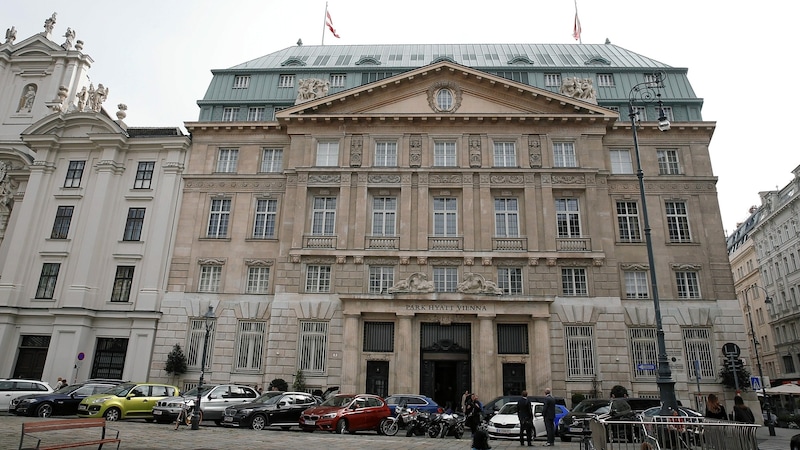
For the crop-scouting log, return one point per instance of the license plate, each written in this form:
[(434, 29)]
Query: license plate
[(228, 418), (157, 412), (505, 431), (575, 430), (311, 422), (82, 407)]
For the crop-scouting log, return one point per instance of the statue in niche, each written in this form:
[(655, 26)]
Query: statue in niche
[(70, 35), (534, 152), (356, 147), (27, 98), (310, 89), (49, 23), (11, 35), (416, 282), (475, 152), (476, 284)]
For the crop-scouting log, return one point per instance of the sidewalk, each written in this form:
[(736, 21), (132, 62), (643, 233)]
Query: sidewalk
[(780, 441)]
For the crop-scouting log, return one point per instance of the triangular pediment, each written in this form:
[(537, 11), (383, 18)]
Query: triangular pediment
[(471, 93), (36, 45)]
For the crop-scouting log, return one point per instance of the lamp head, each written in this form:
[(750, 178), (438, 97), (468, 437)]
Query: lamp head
[(768, 300), (663, 124)]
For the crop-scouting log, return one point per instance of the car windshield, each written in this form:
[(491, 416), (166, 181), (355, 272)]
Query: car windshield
[(266, 396), (68, 389), (508, 408), (339, 400), (593, 407), (193, 391), (121, 390)]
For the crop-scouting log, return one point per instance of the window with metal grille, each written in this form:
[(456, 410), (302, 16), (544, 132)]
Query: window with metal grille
[(74, 174), (509, 279), (688, 284), (257, 280), (265, 219), (123, 280), (255, 113), (381, 278), (643, 350), (605, 79), (506, 217), (568, 217), (621, 161), (327, 153), (678, 221), (573, 281), (134, 224), (636, 284), (386, 154), (378, 336), (144, 175), (227, 160), (505, 154), (241, 81), (384, 216), (318, 279), (445, 216), (286, 81), (580, 355), (445, 279), (47, 280), (218, 218), (313, 346), (109, 358), (323, 217), (210, 276), (512, 339), (250, 345), (668, 162), (628, 222), (564, 154), (697, 345), (196, 342), (338, 80), (62, 222), (444, 154), (552, 80)]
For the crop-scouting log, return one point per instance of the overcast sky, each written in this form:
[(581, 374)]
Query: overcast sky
[(157, 56)]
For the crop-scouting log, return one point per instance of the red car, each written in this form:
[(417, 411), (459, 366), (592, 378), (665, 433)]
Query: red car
[(346, 413)]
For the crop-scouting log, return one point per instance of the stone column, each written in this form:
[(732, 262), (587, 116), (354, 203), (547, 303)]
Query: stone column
[(542, 365), (407, 360), (351, 355), (486, 358)]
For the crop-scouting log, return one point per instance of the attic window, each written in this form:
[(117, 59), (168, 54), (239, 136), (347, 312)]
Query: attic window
[(520, 59), (371, 60), (597, 60), (241, 81), (567, 59), (293, 62)]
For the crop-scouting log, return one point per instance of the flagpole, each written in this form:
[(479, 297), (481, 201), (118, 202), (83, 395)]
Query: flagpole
[(324, 22), (577, 22)]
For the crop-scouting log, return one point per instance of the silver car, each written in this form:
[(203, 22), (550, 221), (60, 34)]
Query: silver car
[(213, 401)]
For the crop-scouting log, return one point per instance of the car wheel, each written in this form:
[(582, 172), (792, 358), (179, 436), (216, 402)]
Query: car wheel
[(112, 414), (44, 410), (259, 422), (341, 426)]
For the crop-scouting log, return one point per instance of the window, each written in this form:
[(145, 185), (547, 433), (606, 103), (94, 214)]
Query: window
[(74, 174), (445, 216), (241, 81), (580, 351), (512, 339), (134, 224), (229, 114), (621, 162), (445, 279), (250, 345), (197, 337), (568, 218), (788, 363), (643, 350), (313, 346), (605, 79), (381, 278), (338, 80), (272, 160), (687, 283), (255, 113), (286, 81), (552, 80), (144, 175), (227, 160), (318, 279), (652, 79), (123, 280), (573, 281), (62, 222), (640, 112), (266, 216), (505, 154), (509, 279), (257, 280), (328, 153), (668, 162), (276, 110), (386, 154), (218, 218), (678, 222), (667, 112), (384, 216), (47, 280), (444, 154), (324, 216), (564, 154), (210, 276), (109, 358), (506, 217), (444, 100), (636, 284), (628, 222), (378, 337), (697, 344)]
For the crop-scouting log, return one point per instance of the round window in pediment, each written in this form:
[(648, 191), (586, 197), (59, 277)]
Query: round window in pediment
[(444, 97)]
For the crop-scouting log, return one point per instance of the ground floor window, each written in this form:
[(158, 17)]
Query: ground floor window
[(109, 358)]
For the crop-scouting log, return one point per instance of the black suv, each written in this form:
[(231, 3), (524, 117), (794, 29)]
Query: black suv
[(572, 425), (61, 402), (282, 410)]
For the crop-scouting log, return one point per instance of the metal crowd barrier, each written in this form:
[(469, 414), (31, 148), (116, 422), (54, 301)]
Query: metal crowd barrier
[(674, 433)]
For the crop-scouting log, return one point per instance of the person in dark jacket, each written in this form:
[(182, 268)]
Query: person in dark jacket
[(549, 414), (480, 440), (714, 409), (525, 415), (741, 412)]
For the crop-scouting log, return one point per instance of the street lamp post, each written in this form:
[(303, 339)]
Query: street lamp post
[(648, 92), (209, 316), (767, 405)]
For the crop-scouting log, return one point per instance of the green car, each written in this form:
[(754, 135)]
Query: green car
[(126, 401)]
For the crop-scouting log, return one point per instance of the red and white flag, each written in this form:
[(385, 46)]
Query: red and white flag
[(576, 29), (329, 23)]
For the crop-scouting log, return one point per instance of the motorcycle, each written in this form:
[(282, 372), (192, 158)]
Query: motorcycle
[(403, 415), (447, 424), (418, 424)]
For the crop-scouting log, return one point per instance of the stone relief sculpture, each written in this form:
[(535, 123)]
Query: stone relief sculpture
[(49, 23), (310, 89), (27, 98), (475, 152), (83, 98), (356, 147), (70, 35), (415, 152), (476, 284), (11, 35), (416, 282), (534, 152), (580, 88)]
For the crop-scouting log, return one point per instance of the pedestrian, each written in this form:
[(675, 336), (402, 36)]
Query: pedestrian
[(480, 440), (525, 415), (619, 391), (464, 399), (741, 412), (59, 383), (549, 413), (714, 409), (475, 413)]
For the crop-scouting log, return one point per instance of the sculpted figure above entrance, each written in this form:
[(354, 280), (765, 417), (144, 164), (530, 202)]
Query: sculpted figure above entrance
[(416, 282)]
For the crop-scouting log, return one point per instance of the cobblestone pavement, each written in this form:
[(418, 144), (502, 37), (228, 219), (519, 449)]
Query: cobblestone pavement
[(137, 434)]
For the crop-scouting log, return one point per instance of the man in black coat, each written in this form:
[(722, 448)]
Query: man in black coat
[(525, 414), (549, 414)]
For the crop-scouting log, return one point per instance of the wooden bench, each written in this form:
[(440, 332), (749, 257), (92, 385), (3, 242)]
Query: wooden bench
[(29, 428)]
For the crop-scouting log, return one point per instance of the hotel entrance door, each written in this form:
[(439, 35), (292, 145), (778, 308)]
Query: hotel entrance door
[(446, 362)]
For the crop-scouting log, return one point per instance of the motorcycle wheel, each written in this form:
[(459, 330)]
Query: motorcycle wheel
[(459, 431), (410, 430), (433, 430), (389, 427)]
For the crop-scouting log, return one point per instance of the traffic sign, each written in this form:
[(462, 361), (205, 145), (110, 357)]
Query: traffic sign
[(646, 367), (731, 350), (755, 383)]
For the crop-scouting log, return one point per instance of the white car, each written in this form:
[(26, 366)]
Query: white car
[(505, 424), (13, 388)]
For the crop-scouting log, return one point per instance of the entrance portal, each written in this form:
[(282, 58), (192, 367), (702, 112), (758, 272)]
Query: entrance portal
[(446, 365)]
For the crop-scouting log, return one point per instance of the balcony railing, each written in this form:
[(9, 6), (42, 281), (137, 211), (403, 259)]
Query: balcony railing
[(510, 244), (382, 242), (319, 241), (445, 243), (574, 244)]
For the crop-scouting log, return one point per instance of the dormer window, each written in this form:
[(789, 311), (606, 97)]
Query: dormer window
[(241, 81)]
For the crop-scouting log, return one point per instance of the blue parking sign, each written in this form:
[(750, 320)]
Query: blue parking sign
[(755, 383)]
